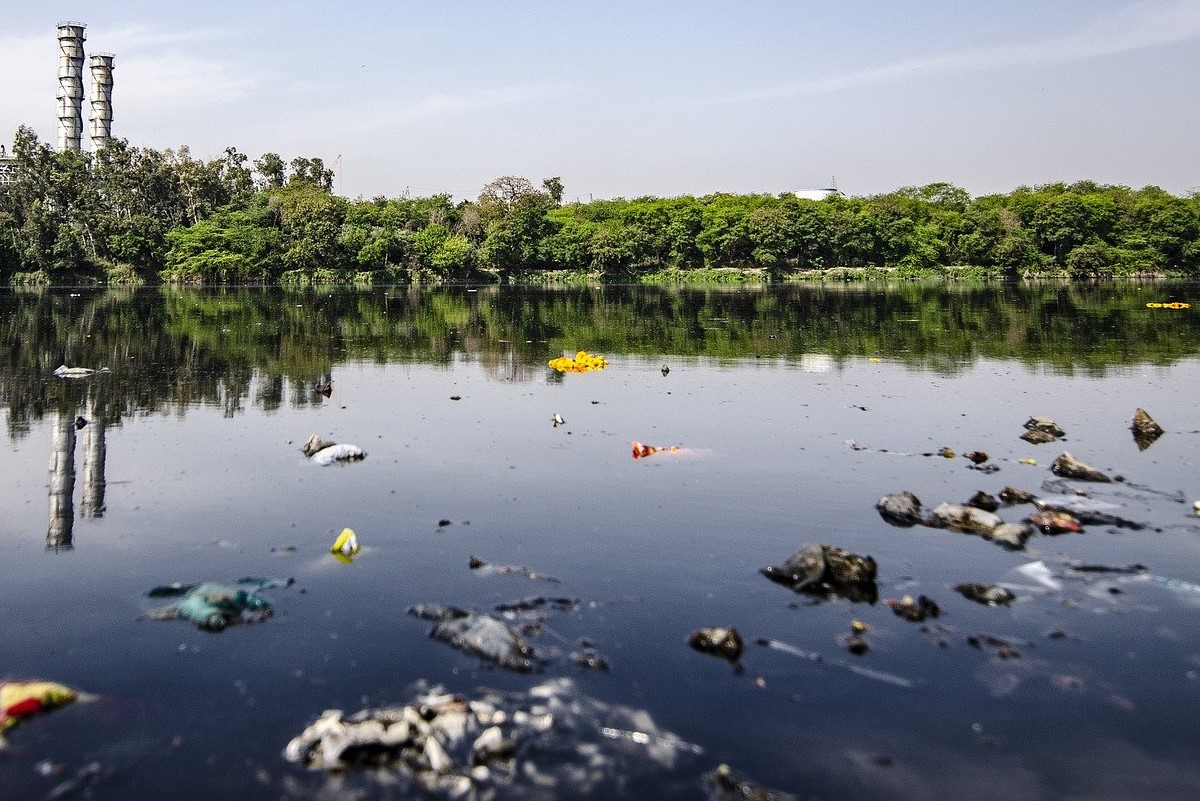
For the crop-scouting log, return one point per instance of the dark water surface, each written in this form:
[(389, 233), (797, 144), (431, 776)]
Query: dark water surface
[(190, 470)]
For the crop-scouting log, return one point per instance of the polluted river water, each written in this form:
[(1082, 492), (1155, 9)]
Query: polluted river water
[(526, 610)]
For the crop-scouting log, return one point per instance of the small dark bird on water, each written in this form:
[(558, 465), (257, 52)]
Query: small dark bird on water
[(80, 422), (324, 388)]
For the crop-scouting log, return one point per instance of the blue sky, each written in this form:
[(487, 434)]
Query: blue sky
[(623, 99)]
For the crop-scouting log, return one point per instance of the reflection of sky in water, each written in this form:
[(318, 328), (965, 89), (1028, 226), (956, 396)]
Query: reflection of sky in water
[(654, 548)]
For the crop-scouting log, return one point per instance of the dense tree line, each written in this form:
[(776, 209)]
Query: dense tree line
[(127, 212)]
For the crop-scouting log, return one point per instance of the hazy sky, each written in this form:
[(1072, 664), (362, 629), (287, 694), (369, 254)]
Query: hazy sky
[(663, 98)]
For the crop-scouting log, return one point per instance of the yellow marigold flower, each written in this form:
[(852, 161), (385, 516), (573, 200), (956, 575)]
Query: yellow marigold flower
[(582, 363)]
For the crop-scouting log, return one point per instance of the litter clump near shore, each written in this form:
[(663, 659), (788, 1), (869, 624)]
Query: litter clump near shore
[(551, 741)]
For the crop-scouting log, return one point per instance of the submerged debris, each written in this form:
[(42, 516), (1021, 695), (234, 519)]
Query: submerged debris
[(325, 452), (1067, 466), (821, 659), (480, 635), (538, 602), (1145, 431), (987, 594), (214, 607), (723, 642), (1001, 647), (552, 741), (1043, 426), (589, 659), (914, 609), (724, 784), (827, 571), (485, 568)]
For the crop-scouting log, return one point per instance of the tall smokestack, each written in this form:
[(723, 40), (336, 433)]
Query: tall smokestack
[(101, 65), (70, 84)]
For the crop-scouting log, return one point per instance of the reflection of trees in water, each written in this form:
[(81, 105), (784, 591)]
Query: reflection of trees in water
[(170, 350)]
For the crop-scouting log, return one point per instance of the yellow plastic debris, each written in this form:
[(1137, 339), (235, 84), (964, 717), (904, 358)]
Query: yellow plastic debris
[(345, 547), (1028, 461), (24, 699), (583, 362)]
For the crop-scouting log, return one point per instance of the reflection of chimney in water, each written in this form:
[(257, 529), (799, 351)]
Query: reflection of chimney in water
[(92, 502), (62, 482)]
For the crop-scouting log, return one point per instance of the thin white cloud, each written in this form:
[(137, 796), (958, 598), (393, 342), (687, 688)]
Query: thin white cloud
[(169, 69), (176, 82), (1135, 27), (374, 117), (444, 104), (146, 37)]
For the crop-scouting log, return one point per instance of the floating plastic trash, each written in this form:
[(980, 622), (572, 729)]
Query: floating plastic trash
[(477, 564), (583, 362), (1176, 305), (62, 371), (480, 635), (345, 547), (213, 607), (24, 699), (641, 451), (324, 452)]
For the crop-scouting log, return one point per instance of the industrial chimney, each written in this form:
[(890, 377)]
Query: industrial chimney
[(101, 65), (70, 85)]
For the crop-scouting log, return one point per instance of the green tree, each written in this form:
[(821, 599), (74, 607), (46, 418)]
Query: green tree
[(271, 171)]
